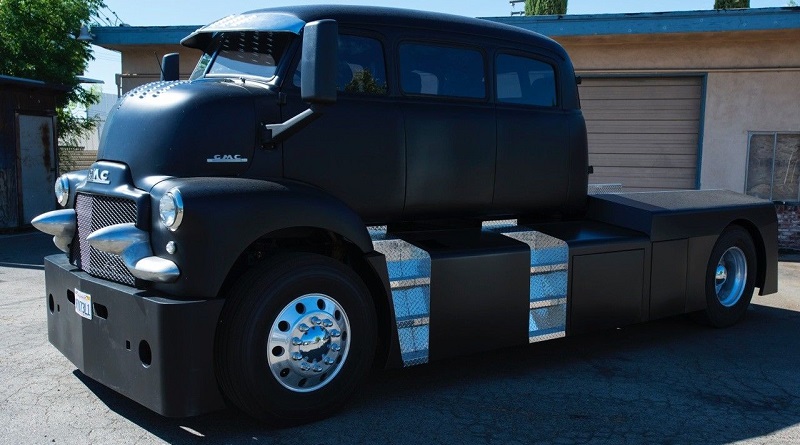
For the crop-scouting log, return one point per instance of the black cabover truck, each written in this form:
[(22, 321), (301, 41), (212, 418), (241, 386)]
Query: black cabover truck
[(340, 186)]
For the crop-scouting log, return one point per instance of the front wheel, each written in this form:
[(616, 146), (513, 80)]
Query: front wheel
[(295, 338), (730, 277)]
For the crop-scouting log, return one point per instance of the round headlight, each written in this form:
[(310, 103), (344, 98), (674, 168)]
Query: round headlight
[(62, 190), (170, 209)]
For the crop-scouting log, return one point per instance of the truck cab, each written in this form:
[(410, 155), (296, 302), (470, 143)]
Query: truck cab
[(340, 186)]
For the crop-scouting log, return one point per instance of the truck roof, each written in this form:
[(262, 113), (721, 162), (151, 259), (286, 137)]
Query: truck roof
[(375, 18)]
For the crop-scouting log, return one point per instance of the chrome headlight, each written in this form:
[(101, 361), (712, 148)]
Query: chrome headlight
[(170, 209), (62, 190)]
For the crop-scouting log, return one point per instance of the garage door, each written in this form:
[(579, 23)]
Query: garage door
[(643, 131)]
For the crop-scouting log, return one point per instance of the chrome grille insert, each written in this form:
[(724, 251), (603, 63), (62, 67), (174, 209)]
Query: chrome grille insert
[(95, 212)]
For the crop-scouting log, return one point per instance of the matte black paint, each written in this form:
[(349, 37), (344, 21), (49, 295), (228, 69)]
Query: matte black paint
[(609, 274), (179, 381), (480, 291), (120, 185), (357, 133), (675, 215), (391, 357), (223, 216), (668, 285), (174, 128), (450, 149), (607, 290)]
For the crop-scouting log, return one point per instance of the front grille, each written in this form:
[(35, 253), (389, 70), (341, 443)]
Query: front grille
[(95, 212)]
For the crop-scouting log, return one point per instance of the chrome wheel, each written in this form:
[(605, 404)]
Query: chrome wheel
[(308, 342), (730, 276)]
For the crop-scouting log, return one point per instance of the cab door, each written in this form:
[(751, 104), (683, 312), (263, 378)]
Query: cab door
[(450, 130), (533, 146), (355, 149)]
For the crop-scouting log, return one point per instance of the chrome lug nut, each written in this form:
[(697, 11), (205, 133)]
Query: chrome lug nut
[(317, 368), (297, 356), (329, 360), (296, 341), (335, 333), (303, 327), (335, 347), (315, 320), (304, 366), (327, 323)]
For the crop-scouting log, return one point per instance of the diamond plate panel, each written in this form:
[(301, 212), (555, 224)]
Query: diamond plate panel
[(598, 189), (409, 270), (412, 302), (548, 285), (93, 213), (414, 345), (499, 224), (545, 249), (544, 322)]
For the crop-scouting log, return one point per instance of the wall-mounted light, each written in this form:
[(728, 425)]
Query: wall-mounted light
[(85, 35)]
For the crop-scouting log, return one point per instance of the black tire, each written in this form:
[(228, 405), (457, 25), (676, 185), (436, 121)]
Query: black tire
[(249, 336), (727, 298)]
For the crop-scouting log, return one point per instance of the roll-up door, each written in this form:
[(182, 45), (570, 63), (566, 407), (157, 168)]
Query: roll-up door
[(643, 131)]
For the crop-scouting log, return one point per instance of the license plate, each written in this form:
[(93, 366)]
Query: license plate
[(83, 304)]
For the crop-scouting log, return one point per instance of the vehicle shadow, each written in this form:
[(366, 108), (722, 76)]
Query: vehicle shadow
[(669, 381)]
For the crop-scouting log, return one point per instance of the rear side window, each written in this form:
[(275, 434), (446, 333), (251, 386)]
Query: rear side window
[(441, 71), (524, 80)]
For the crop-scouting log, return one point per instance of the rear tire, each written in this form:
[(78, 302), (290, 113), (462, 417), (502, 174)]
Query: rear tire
[(730, 277), (296, 337)]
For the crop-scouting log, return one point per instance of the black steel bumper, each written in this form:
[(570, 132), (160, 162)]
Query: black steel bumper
[(154, 350)]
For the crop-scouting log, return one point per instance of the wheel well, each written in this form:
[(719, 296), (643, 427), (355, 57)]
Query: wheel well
[(332, 245), (761, 251)]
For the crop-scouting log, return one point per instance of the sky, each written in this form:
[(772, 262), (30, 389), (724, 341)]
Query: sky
[(201, 12)]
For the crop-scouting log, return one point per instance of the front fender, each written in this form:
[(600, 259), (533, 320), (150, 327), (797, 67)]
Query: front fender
[(223, 216)]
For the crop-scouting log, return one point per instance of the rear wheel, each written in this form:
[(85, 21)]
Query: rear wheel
[(296, 337), (730, 277)]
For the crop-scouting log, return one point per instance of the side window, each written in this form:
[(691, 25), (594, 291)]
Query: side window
[(522, 80), (441, 71), (361, 66)]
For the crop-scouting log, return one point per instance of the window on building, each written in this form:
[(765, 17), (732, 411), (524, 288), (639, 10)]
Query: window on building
[(441, 71), (773, 166), (523, 80)]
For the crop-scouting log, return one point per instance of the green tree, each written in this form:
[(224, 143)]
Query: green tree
[(731, 4), (38, 41), (364, 82), (545, 7)]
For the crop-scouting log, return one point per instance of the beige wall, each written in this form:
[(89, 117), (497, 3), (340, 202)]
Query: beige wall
[(738, 102), (141, 64), (752, 85)]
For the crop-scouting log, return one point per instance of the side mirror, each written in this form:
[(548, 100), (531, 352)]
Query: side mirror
[(318, 64), (170, 67)]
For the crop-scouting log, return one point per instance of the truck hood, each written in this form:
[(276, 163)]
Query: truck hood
[(205, 127)]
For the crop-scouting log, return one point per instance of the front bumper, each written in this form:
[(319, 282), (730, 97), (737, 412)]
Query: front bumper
[(131, 328)]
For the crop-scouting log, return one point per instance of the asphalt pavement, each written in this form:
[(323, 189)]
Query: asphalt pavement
[(667, 382)]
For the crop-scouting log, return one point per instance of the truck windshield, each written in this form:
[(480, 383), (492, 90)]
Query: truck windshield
[(245, 54)]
